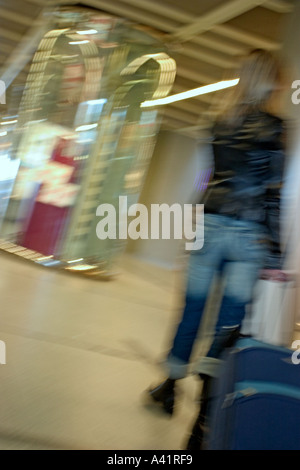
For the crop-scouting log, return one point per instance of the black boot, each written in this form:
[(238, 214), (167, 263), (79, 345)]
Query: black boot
[(199, 430), (164, 394), (225, 338)]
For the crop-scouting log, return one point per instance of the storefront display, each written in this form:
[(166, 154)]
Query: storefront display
[(82, 138)]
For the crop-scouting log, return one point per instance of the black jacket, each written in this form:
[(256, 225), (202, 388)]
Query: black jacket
[(248, 173)]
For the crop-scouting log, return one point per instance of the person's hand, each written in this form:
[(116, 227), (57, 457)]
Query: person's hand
[(274, 275)]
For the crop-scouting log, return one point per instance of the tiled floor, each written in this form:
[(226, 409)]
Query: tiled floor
[(79, 355)]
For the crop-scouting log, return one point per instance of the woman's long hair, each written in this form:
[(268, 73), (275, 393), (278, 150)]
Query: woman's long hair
[(259, 77)]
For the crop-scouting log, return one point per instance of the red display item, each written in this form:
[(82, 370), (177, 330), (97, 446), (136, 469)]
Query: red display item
[(55, 198), (65, 152), (45, 228), (49, 217)]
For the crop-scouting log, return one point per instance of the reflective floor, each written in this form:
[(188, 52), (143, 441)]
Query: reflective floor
[(79, 355)]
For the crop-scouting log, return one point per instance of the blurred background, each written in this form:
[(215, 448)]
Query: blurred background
[(80, 127)]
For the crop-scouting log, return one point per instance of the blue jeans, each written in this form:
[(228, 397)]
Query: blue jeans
[(235, 249)]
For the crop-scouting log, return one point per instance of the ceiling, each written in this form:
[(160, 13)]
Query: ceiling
[(205, 37)]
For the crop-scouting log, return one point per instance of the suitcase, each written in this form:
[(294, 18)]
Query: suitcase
[(255, 401)]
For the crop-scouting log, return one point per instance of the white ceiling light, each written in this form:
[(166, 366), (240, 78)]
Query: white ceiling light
[(88, 31), (84, 41), (191, 93), (86, 127)]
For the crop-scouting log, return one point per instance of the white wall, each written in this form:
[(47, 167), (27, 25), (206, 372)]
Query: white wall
[(172, 178)]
